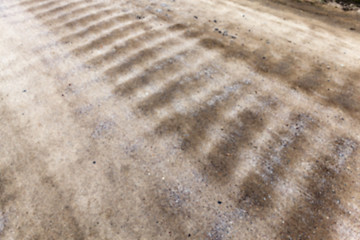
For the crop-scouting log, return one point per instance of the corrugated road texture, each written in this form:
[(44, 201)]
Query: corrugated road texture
[(178, 120)]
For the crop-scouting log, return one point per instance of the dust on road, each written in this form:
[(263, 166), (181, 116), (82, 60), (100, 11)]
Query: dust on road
[(179, 120)]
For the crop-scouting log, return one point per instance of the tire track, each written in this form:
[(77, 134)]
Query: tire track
[(284, 150), (186, 64), (109, 38), (60, 9), (75, 13), (43, 6), (97, 28), (313, 83), (314, 214), (84, 21)]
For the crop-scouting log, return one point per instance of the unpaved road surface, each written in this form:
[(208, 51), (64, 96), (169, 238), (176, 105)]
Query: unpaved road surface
[(183, 119)]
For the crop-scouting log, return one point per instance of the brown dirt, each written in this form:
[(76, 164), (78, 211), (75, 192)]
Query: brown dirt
[(179, 120)]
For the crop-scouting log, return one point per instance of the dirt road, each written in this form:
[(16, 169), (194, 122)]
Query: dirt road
[(179, 119)]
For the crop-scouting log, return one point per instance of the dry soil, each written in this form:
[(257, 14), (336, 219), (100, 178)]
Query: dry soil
[(179, 119)]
